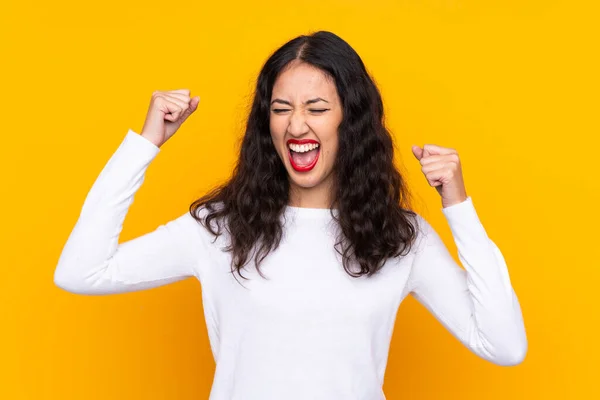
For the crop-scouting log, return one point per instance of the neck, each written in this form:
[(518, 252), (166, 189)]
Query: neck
[(315, 197)]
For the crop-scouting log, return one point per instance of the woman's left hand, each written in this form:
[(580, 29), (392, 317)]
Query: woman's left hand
[(441, 166)]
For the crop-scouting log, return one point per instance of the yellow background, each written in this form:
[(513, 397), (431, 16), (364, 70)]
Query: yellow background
[(512, 85)]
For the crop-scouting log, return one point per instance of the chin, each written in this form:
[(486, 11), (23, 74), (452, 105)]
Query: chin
[(310, 180), (305, 182)]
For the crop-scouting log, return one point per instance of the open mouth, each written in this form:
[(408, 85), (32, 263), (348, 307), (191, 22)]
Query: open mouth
[(304, 154)]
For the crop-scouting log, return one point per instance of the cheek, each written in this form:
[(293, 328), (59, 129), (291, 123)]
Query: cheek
[(277, 133), (333, 151), (329, 157), (329, 139)]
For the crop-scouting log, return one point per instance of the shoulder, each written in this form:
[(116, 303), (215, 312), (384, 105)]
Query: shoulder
[(424, 232), (200, 218)]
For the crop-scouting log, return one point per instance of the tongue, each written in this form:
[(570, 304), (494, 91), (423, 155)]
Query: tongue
[(305, 158)]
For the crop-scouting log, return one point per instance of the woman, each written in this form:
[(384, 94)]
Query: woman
[(315, 219)]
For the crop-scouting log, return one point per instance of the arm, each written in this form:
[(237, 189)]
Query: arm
[(93, 262), (478, 304)]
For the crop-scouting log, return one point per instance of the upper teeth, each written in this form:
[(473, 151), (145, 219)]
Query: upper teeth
[(301, 148)]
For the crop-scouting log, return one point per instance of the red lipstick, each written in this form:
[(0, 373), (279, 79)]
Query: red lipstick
[(303, 141), (303, 168)]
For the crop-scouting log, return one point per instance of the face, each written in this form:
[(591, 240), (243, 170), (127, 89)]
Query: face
[(304, 118)]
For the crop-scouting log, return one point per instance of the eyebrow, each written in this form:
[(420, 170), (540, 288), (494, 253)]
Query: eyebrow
[(311, 101)]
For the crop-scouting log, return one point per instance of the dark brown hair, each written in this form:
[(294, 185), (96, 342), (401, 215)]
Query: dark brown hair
[(370, 194)]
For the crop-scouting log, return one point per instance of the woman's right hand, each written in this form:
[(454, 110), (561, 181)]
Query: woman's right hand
[(167, 111)]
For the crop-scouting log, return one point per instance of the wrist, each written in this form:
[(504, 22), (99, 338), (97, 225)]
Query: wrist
[(152, 140)]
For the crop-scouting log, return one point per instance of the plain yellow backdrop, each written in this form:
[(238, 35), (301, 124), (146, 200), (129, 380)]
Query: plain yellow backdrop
[(512, 85)]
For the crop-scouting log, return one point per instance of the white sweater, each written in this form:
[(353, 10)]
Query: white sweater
[(310, 331)]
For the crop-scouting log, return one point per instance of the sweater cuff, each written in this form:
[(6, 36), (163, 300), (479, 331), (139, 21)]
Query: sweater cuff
[(463, 219), (135, 142)]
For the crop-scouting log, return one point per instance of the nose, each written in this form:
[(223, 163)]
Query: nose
[(297, 124)]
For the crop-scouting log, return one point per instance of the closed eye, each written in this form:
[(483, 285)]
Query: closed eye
[(318, 111)]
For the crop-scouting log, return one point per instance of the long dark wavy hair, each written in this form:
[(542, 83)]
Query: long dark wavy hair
[(370, 195)]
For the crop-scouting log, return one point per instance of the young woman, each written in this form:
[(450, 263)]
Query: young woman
[(306, 253)]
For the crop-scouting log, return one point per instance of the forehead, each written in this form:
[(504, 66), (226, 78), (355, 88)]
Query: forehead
[(301, 80)]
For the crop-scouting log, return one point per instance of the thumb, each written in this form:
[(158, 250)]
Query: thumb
[(417, 151), (194, 103)]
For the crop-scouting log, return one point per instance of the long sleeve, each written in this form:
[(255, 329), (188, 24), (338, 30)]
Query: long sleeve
[(92, 260), (476, 304)]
